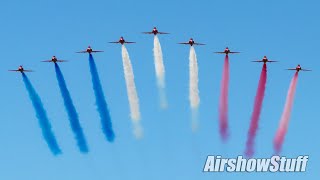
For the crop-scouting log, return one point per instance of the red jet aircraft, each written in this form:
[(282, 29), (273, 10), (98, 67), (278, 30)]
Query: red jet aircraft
[(89, 50), (298, 68), (122, 41), (226, 51), (20, 69), (54, 60), (155, 32), (191, 42), (264, 60)]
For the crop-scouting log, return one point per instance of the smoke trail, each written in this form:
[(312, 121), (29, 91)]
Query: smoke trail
[(160, 71), (193, 87), (101, 103), (132, 93), (223, 106), (284, 122), (42, 117), (256, 111), (71, 110)]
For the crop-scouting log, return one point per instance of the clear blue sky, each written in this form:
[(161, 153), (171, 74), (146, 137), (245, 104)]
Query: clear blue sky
[(35, 30)]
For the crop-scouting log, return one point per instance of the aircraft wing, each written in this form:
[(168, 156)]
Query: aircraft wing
[(198, 44), (96, 51), (184, 43), (220, 52), (257, 61), (233, 52), (128, 42), (81, 52), (22, 71), (163, 33), (147, 32), (306, 70), (272, 61), (292, 69), (115, 42), (52, 61)]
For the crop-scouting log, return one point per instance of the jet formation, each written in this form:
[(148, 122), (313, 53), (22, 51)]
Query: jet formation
[(194, 92), (155, 32)]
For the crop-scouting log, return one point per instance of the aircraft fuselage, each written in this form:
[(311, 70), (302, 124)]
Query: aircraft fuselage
[(155, 32), (89, 50)]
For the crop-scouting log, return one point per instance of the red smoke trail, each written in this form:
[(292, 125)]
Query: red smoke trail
[(223, 106), (256, 111), (284, 122)]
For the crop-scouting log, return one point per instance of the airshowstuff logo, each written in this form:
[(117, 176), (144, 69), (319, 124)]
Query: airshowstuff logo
[(240, 164)]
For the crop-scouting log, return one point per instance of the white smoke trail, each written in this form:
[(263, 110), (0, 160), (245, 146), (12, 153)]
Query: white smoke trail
[(193, 87), (160, 71), (132, 93)]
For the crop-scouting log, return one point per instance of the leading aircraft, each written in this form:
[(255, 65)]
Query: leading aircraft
[(21, 69), (89, 50), (226, 51), (298, 68), (264, 60), (155, 32), (54, 60), (122, 41), (191, 42)]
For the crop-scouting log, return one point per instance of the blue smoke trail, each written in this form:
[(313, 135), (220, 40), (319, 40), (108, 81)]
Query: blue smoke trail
[(71, 110), (42, 117), (101, 103)]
